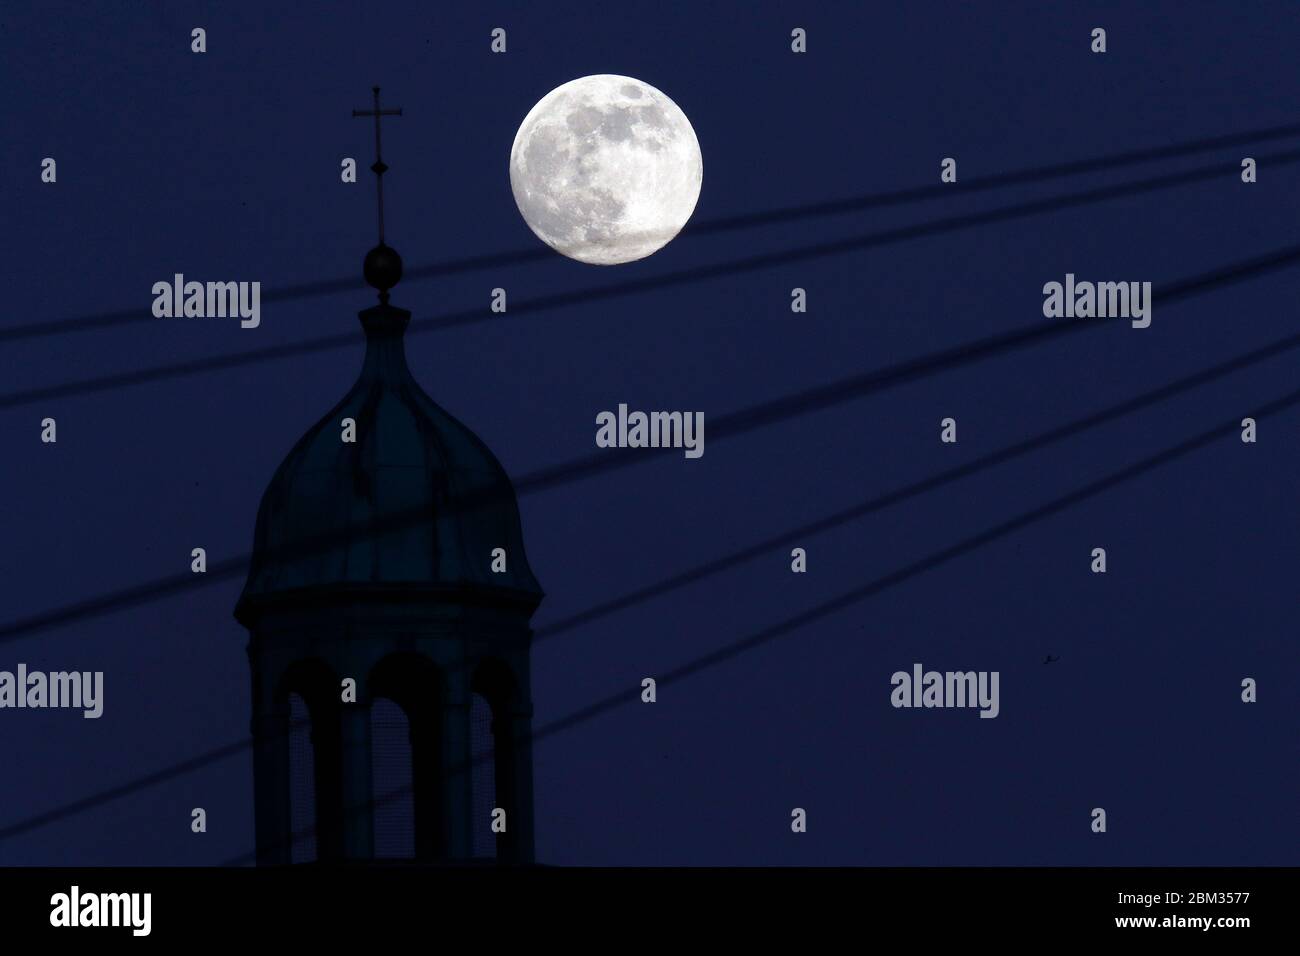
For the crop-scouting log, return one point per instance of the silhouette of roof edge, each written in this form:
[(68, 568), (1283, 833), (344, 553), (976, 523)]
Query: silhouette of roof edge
[(253, 606)]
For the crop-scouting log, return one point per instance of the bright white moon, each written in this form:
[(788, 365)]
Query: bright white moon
[(606, 169)]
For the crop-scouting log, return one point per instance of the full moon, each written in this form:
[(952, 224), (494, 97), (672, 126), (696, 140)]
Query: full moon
[(606, 169)]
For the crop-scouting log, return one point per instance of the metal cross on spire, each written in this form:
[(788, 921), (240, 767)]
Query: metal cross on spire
[(379, 168)]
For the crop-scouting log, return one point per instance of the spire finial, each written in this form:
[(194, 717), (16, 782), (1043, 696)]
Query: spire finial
[(383, 266)]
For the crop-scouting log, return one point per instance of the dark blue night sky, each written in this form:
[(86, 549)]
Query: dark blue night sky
[(225, 166)]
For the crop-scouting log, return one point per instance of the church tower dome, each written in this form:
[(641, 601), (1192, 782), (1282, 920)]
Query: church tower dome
[(388, 604), (388, 489)]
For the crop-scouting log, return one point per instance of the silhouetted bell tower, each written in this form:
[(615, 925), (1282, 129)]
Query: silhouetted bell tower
[(389, 553)]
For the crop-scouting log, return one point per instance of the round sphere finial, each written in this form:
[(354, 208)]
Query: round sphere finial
[(383, 267)]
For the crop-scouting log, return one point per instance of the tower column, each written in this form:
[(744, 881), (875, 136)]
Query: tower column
[(457, 800), (271, 794), (358, 837), (426, 781), (519, 785)]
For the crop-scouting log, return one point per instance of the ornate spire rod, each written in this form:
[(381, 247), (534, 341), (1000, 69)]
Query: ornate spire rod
[(383, 266), (378, 167)]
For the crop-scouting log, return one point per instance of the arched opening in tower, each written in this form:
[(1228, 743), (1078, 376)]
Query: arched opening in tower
[(392, 780), (407, 776), (302, 783)]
